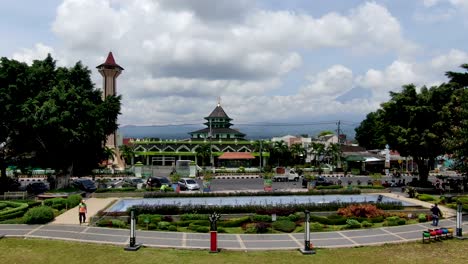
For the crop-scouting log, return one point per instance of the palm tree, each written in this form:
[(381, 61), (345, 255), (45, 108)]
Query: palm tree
[(280, 150), (334, 151), (297, 150), (317, 149), (203, 151), (126, 153), (109, 153)]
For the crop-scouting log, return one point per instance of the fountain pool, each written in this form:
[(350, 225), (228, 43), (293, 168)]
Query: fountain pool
[(123, 204)]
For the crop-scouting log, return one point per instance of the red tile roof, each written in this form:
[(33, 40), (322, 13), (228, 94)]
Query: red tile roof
[(110, 62), (236, 155)]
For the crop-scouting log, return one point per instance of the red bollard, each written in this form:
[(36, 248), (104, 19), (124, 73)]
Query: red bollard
[(177, 190), (214, 242)]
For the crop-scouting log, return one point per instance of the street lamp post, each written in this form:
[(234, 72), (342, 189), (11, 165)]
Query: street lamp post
[(307, 250)]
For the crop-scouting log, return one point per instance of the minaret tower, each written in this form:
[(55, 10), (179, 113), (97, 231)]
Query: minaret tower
[(110, 71)]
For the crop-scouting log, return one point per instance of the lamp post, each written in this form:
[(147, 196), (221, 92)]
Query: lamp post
[(133, 246), (307, 245), (459, 231)]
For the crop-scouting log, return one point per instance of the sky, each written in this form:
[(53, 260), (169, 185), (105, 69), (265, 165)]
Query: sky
[(267, 60)]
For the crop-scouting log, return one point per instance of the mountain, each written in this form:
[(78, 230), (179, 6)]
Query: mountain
[(252, 131)]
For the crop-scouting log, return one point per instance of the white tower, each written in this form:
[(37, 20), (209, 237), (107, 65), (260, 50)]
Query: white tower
[(110, 71)]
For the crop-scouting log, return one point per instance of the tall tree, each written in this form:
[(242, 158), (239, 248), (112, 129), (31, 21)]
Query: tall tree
[(126, 153), (297, 152), (369, 133), (204, 152), (59, 118)]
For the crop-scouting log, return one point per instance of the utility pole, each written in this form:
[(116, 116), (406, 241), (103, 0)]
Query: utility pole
[(261, 155), (338, 162), (338, 131)]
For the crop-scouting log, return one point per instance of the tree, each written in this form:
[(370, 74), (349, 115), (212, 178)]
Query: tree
[(281, 152), (333, 151), (56, 119), (297, 152), (204, 152), (325, 132), (317, 150), (369, 133), (126, 153)]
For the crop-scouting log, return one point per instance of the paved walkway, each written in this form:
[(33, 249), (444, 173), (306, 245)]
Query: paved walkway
[(93, 205), (66, 227)]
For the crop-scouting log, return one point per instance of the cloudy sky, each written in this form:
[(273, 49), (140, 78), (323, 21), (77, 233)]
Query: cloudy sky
[(268, 60)]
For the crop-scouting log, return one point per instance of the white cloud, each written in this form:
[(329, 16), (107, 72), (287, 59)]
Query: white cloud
[(332, 83), (39, 52), (179, 55)]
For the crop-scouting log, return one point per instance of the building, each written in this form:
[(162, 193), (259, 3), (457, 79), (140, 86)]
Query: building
[(218, 126), (205, 146)]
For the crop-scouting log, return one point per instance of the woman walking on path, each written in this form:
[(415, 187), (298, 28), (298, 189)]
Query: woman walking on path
[(82, 210)]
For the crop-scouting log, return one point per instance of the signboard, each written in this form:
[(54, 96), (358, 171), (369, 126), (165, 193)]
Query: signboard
[(387, 156)]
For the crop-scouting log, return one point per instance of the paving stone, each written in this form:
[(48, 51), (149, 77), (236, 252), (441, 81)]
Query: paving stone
[(285, 244), (18, 227), (376, 239), (321, 235), (14, 232), (363, 233), (343, 242), (64, 228), (108, 231), (163, 235), (261, 237)]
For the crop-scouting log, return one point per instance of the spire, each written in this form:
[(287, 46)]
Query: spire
[(110, 62), (219, 100)]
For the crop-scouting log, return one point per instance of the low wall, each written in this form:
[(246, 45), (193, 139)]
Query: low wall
[(117, 194)]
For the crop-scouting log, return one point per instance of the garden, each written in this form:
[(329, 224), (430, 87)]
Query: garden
[(35, 212), (246, 219)]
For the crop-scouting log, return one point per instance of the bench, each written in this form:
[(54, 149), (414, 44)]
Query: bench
[(14, 195)]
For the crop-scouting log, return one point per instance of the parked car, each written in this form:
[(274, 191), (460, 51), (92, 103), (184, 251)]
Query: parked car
[(37, 188), (133, 182), (156, 182), (85, 185), (320, 181), (188, 184)]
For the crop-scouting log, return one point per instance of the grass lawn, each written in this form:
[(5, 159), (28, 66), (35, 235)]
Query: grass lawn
[(48, 251)]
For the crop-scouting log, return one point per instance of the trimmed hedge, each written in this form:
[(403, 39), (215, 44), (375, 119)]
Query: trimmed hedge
[(353, 223), (235, 222), (284, 226), (111, 190), (426, 197), (17, 210), (279, 210), (39, 215)]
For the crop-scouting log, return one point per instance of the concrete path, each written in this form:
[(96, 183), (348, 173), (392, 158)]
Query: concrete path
[(93, 205)]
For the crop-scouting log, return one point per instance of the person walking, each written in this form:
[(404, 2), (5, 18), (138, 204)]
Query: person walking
[(82, 210), (435, 215)]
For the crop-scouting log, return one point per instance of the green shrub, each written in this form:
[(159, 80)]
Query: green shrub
[(172, 228), (422, 218), (73, 200), (114, 223), (425, 197), (335, 220), (39, 215), (316, 227), (250, 228), (2, 206), (56, 203), (182, 223), (377, 219), (202, 229), (392, 221), (366, 224), (185, 217), (353, 223), (329, 187), (284, 226), (150, 218), (401, 222), (294, 217), (261, 218), (13, 210), (262, 227), (163, 225), (235, 222)]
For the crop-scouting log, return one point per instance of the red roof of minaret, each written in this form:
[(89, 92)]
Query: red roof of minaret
[(110, 62)]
